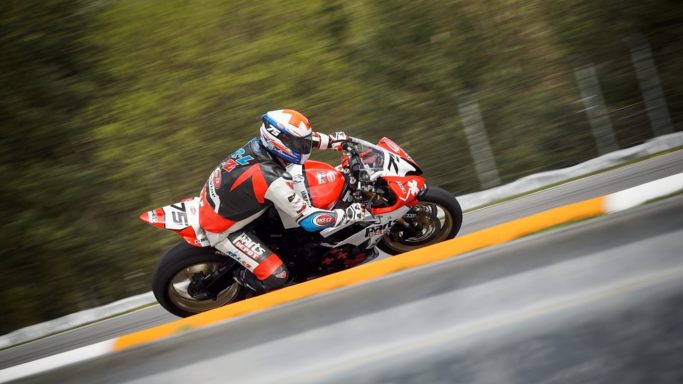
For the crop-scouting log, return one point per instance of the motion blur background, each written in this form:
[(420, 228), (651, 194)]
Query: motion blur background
[(110, 108)]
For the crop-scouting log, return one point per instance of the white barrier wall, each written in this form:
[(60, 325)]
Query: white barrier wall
[(543, 179)]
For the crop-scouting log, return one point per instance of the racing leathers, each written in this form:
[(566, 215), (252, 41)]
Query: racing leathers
[(241, 189)]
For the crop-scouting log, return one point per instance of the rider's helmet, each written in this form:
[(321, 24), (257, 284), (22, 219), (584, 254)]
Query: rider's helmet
[(287, 134)]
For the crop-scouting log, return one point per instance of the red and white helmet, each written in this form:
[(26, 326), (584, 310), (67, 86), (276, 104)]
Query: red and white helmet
[(287, 134)]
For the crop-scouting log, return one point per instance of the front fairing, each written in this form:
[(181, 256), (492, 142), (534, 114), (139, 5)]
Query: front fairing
[(387, 157), (391, 146)]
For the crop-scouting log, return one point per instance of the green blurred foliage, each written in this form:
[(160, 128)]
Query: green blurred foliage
[(111, 108)]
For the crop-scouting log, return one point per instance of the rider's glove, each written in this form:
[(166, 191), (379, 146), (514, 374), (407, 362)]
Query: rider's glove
[(353, 214), (337, 139)]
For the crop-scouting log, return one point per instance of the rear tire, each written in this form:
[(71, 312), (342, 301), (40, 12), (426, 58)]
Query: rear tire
[(438, 218), (178, 270)]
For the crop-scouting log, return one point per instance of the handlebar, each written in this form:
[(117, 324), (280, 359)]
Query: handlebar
[(348, 147)]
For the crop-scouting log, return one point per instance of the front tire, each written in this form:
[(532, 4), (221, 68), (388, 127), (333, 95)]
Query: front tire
[(437, 217), (181, 276)]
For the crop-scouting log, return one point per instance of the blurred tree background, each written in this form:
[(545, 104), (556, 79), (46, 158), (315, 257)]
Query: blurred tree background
[(111, 108)]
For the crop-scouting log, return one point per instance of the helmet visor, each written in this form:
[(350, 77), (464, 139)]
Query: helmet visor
[(298, 145)]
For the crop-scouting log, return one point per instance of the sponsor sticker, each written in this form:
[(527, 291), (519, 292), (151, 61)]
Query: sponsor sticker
[(324, 220), (413, 190), (306, 196), (379, 230), (237, 158), (153, 218), (216, 178), (321, 177), (250, 247), (213, 195), (230, 165), (326, 177)]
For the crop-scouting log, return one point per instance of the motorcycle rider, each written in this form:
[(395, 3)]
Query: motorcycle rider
[(245, 184)]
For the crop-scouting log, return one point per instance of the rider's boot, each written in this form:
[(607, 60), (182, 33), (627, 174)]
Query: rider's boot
[(247, 279)]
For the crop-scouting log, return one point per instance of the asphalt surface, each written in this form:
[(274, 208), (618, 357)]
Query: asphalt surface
[(598, 301), (596, 185)]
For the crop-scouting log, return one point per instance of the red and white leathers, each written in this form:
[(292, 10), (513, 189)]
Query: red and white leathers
[(241, 189)]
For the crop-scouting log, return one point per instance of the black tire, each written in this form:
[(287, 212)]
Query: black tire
[(435, 201), (173, 274)]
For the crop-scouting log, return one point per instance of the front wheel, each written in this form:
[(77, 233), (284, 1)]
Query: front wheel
[(189, 280), (437, 217)]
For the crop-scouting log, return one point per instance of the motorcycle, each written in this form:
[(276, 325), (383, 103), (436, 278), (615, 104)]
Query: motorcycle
[(404, 214)]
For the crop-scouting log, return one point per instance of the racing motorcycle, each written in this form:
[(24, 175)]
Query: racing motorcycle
[(404, 214)]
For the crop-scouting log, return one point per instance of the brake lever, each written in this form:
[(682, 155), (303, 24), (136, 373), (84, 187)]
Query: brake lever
[(348, 147)]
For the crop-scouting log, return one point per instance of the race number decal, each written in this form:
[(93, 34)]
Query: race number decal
[(393, 163), (176, 216), (272, 130)]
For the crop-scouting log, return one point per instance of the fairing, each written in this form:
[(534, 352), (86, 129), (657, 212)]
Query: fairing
[(405, 188), (394, 148), (182, 218)]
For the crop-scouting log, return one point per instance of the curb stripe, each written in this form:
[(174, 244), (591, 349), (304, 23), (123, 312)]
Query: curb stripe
[(635, 196), (487, 237)]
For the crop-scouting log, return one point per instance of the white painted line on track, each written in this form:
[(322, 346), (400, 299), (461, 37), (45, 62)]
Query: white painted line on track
[(55, 361)]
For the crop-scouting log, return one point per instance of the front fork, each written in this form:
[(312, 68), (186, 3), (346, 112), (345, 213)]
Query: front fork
[(413, 222)]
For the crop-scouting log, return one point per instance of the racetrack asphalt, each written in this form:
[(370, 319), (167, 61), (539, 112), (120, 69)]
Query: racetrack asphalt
[(596, 301), (596, 185)]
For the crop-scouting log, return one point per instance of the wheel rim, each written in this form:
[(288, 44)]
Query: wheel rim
[(179, 295), (436, 224)]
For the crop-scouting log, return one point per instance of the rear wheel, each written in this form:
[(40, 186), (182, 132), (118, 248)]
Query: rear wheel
[(437, 217), (189, 280)]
